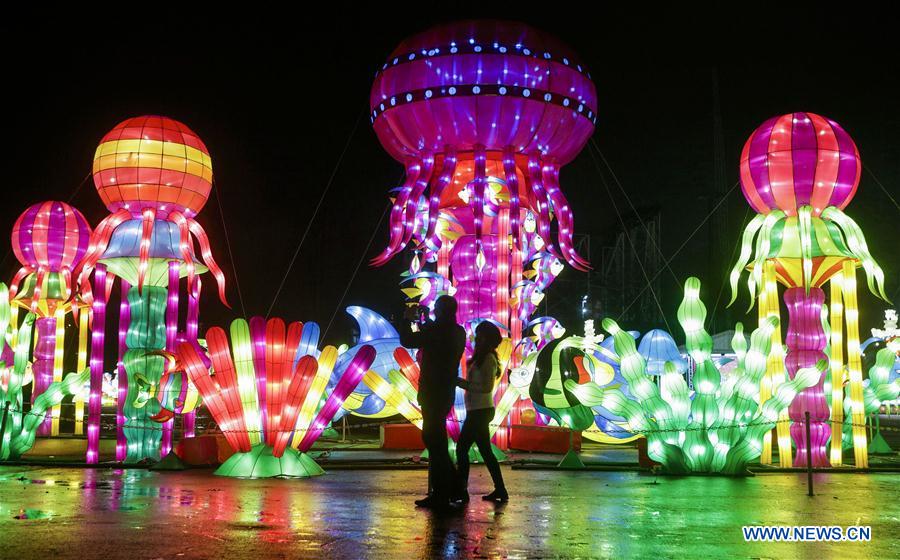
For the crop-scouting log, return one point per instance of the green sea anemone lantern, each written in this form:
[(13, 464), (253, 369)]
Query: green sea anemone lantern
[(720, 430), (18, 431)]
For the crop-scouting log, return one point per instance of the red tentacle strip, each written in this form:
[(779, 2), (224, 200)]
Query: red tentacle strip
[(223, 365), (99, 242), (541, 202), (397, 213), (186, 244), (212, 393), (148, 216), (208, 260), (479, 183), (512, 183), (20, 275), (408, 366), (303, 377), (292, 342), (412, 205), (431, 240), (275, 359), (563, 217), (38, 286)]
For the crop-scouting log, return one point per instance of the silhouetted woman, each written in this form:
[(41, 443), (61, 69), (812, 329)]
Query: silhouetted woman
[(483, 370)]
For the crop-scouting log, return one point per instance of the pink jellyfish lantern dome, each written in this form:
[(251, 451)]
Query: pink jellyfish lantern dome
[(483, 114), (49, 239), (799, 159)]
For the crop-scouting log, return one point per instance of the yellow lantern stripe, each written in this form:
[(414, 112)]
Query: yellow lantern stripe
[(82, 364), (765, 385), (128, 147), (60, 317), (837, 371), (854, 365), (775, 365), (393, 397)]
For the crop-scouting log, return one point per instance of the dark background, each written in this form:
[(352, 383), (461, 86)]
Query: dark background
[(276, 98)]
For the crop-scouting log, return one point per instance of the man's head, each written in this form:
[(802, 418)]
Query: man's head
[(445, 308)]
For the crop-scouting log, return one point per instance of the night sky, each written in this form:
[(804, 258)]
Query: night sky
[(276, 99)]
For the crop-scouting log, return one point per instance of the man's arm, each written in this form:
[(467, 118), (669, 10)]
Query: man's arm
[(410, 339)]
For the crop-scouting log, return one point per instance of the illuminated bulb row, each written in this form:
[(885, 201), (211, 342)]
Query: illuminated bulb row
[(477, 47)]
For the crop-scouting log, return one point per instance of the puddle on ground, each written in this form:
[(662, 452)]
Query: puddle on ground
[(32, 514)]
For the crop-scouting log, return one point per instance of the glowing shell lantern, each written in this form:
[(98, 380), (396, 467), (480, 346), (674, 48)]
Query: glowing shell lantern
[(267, 392), (49, 239), (483, 114), (799, 171), (154, 174)]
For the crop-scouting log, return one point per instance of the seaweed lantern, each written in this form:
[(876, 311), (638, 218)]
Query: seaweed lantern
[(720, 429), (49, 239), (799, 171), (483, 115), (18, 428), (154, 174)]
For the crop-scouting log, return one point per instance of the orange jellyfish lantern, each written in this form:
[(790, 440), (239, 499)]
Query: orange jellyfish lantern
[(154, 174)]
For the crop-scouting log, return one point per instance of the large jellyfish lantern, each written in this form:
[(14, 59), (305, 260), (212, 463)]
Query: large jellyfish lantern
[(483, 114), (49, 239), (799, 171), (154, 174)]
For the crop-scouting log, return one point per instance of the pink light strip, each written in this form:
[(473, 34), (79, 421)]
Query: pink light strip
[(121, 374), (171, 338), (98, 310)]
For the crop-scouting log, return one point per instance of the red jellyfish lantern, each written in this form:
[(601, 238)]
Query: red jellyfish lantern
[(49, 239), (154, 174), (483, 114)]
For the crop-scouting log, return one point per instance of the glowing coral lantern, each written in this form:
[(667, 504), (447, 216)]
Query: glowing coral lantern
[(799, 171), (265, 387), (49, 239), (721, 428)]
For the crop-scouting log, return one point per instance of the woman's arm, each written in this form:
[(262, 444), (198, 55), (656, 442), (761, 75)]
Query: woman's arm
[(482, 379)]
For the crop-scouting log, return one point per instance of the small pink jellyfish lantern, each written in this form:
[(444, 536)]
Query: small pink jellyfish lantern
[(49, 239)]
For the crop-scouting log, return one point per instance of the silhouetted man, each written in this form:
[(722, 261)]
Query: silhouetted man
[(442, 343)]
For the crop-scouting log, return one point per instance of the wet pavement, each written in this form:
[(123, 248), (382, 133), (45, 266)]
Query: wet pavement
[(135, 514)]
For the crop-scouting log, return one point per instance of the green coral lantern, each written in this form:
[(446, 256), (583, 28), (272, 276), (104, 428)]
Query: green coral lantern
[(721, 429)]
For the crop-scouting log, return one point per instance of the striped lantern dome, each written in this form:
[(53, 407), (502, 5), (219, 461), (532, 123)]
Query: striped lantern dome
[(153, 162), (799, 159), (50, 235)]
